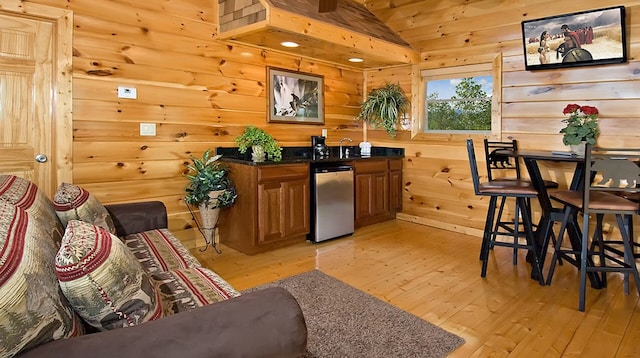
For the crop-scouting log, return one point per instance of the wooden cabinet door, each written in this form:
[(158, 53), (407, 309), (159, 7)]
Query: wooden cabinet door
[(372, 195), (380, 194), (283, 203), (296, 208), (270, 212), (395, 190)]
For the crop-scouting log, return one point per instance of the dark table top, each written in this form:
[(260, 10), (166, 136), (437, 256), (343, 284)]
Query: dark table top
[(556, 156)]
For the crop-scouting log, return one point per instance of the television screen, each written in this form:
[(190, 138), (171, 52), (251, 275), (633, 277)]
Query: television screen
[(579, 39)]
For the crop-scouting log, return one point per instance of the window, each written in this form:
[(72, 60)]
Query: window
[(459, 100), (459, 104)]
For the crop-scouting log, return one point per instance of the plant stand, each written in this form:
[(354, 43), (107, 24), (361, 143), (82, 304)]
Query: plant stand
[(208, 222), (207, 227)]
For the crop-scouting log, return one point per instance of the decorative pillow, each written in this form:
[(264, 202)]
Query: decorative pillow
[(102, 280), (26, 195), (186, 289), (74, 203), (159, 250), (33, 309)]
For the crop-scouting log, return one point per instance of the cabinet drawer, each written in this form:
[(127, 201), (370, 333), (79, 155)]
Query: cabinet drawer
[(283, 172), (370, 166)]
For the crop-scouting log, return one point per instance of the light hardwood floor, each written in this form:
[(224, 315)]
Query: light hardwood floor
[(435, 274)]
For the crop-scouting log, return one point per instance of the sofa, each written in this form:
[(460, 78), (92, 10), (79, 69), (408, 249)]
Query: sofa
[(79, 279)]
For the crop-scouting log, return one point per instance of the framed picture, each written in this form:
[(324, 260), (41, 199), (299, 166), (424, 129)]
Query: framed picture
[(295, 97), (584, 38)]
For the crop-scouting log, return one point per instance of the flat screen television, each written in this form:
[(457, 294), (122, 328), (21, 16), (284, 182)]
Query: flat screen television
[(585, 38)]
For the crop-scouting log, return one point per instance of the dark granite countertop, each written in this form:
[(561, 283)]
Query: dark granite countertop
[(292, 155)]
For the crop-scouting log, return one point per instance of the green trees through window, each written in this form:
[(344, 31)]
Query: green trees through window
[(462, 104)]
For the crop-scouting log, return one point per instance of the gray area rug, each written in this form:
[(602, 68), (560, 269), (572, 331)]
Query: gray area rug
[(345, 322)]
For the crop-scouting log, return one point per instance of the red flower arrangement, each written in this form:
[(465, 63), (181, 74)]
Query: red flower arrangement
[(582, 124)]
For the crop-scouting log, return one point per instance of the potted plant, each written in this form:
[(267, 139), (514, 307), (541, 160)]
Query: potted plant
[(261, 143), (210, 188), (582, 126), (384, 106)]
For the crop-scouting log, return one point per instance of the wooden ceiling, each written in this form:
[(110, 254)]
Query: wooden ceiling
[(350, 31)]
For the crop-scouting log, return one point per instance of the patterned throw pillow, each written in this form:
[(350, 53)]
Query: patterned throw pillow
[(26, 195), (102, 280), (186, 289), (33, 309), (74, 203)]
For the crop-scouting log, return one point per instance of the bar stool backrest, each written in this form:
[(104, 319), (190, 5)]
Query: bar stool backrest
[(500, 165), (614, 170)]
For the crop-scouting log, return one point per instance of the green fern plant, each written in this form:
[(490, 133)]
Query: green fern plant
[(256, 136), (384, 106)]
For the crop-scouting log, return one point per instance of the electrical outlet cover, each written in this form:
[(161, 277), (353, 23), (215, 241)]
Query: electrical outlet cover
[(147, 129), (127, 92)]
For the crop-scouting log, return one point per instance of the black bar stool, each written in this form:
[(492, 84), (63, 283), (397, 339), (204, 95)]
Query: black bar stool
[(522, 191), (608, 173), (503, 167)]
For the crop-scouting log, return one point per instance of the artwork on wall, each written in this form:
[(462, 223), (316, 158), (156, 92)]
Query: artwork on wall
[(579, 39), (295, 97)]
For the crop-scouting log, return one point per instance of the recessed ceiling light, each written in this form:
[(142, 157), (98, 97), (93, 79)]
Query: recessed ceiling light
[(289, 44), (355, 59)]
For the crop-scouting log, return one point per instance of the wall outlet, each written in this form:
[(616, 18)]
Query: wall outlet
[(127, 92), (147, 129)]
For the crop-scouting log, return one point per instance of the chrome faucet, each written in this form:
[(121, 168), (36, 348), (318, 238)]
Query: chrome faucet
[(341, 153)]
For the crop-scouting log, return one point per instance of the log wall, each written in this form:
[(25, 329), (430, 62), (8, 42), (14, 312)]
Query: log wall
[(200, 92), (438, 187)]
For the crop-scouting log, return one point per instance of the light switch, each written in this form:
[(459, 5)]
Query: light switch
[(127, 92), (147, 129)]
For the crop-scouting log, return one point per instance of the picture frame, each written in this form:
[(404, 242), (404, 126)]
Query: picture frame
[(294, 97), (600, 35)]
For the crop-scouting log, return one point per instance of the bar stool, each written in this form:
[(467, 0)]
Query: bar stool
[(608, 172), (502, 167), (522, 191)]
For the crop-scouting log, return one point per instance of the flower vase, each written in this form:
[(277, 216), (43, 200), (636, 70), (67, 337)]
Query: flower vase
[(258, 154), (578, 148)]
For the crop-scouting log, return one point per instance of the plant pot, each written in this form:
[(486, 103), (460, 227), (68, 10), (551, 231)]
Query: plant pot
[(209, 218), (578, 148), (258, 154)]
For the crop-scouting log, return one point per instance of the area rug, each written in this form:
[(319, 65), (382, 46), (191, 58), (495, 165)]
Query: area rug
[(345, 322)]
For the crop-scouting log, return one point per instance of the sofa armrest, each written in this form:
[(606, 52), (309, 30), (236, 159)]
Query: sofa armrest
[(263, 323), (132, 218)]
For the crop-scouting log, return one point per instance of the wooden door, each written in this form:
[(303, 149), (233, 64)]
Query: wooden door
[(35, 100)]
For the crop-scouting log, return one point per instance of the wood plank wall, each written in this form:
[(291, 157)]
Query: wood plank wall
[(200, 92), (438, 188)]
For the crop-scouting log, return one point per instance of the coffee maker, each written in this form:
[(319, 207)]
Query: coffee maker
[(318, 148)]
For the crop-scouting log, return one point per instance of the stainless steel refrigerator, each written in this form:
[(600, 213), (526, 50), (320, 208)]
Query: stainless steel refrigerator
[(332, 202)]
